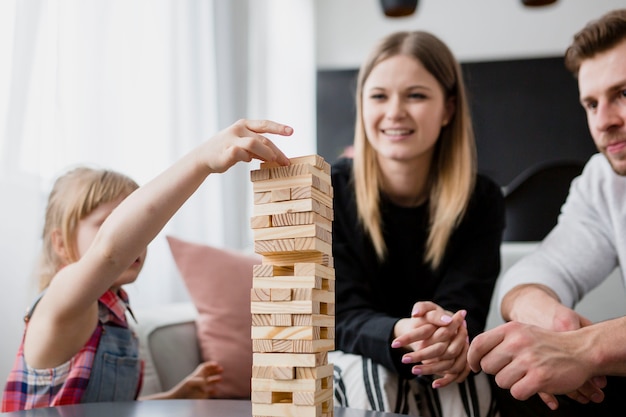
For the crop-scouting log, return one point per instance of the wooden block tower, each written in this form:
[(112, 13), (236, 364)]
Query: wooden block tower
[(293, 290)]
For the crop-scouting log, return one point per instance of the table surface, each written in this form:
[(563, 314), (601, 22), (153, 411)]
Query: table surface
[(169, 408)]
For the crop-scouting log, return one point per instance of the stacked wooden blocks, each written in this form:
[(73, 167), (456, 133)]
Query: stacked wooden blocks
[(293, 290)]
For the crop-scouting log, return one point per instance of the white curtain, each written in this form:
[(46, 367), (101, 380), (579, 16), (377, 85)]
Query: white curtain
[(127, 85)]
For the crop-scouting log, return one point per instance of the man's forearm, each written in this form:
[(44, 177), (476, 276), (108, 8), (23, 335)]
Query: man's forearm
[(528, 303), (608, 352)]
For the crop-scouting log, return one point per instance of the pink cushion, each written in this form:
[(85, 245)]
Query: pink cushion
[(219, 283)]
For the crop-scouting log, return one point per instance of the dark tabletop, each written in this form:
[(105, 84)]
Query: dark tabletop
[(169, 408)]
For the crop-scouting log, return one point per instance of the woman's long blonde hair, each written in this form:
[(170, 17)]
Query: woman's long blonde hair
[(453, 170), (74, 196)]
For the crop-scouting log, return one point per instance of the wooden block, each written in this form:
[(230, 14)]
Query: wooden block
[(262, 320), (315, 160), (293, 206), (290, 307), (258, 222), (277, 319), (286, 332), (280, 294), (313, 397), (270, 270), (313, 268), (312, 244), (293, 385), (311, 346), (281, 320), (264, 247), (289, 259), (328, 332), (297, 245), (300, 193), (283, 373), (294, 170), (313, 294), (328, 308), (259, 345), (311, 179), (268, 397), (321, 320), (281, 194), (289, 172), (292, 346), (260, 294), (306, 217), (296, 360), (262, 197), (261, 397), (292, 232), (288, 282), (314, 372), (273, 345), (262, 372), (259, 175)]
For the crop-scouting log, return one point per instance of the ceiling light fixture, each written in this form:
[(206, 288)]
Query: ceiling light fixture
[(534, 3), (398, 8)]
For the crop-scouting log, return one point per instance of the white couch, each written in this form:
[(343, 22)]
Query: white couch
[(170, 348)]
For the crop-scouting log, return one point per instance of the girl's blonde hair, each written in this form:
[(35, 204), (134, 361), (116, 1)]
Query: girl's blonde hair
[(75, 195), (452, 175)]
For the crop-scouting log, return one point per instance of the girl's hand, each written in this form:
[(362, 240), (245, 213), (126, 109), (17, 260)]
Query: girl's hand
[(242, 142), (200, 384)]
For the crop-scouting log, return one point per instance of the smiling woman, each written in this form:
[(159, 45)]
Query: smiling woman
[(416, 238)]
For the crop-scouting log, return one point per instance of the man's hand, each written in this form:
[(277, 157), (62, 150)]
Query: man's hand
[(528, 359)]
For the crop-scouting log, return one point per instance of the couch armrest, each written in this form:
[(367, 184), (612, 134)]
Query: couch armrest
[(168, 344)]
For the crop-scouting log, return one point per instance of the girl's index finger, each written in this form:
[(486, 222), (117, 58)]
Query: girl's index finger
[(268, 126)]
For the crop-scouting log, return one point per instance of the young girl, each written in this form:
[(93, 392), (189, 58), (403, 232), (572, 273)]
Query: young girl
[(77, 346), (416, 238)]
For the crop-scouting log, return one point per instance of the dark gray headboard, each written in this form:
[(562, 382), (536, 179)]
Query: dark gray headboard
[(525, 112)]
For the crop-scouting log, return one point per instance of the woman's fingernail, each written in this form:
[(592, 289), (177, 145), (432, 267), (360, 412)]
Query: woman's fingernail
[(406, 359), (446, 319), (395, 344)]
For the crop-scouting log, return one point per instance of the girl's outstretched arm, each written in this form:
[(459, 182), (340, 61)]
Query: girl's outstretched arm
[(67, 315)]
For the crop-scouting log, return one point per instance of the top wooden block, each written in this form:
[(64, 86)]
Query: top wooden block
[(315, 160)]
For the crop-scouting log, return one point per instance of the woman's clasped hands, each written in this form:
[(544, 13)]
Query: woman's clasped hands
[(436, 341)]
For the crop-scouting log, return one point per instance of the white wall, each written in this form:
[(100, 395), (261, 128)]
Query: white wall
[(475, 30)]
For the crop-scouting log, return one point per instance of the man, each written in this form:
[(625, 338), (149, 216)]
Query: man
[(546, 347)]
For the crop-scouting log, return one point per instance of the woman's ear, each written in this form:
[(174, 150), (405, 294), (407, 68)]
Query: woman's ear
[(450, 109), (59, 246)]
